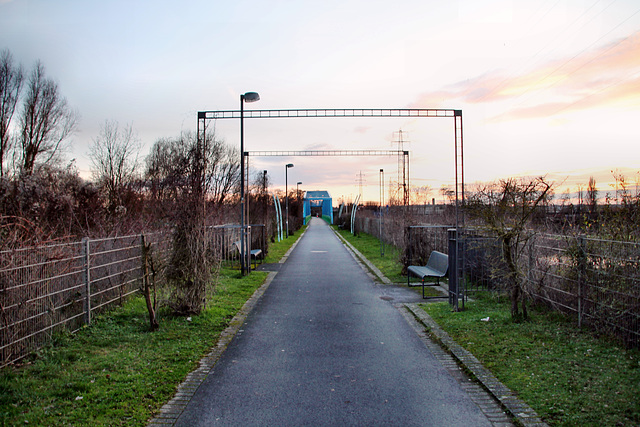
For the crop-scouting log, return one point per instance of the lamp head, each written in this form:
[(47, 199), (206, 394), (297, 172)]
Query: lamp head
[(299, 183), (250, 97), (290, 165)]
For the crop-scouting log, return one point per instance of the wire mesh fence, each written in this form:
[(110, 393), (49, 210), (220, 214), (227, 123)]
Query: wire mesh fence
[(225, 241), (421, 240), (49, 288), (596, 280)]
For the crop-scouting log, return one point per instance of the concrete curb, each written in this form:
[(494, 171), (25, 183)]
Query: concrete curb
[(519, 410)]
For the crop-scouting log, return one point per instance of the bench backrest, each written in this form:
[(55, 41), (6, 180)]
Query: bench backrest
[(438, 261)]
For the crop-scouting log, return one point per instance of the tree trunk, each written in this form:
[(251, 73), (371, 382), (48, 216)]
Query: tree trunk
[(153, 321), (512, 278)]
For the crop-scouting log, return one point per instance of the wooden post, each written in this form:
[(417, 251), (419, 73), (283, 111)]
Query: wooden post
[(146, 286)]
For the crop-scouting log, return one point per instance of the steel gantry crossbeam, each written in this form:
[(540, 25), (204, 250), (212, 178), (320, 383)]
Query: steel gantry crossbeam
[(203, 116), (326, 153), (330, 112)]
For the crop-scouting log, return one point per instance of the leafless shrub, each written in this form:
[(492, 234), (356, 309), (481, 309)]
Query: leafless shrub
[(505, 209)]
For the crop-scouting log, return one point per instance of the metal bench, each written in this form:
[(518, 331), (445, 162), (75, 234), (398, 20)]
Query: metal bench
[(437, 267), (255, 253)]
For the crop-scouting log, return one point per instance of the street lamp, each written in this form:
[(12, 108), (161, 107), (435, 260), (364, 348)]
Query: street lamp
[(286, 192), (297, 184), (381, 210), (246, 97)]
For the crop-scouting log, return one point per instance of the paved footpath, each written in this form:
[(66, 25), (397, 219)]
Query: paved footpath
[(325, 346)]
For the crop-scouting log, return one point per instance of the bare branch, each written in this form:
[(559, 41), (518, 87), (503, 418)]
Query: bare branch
[(46, 120), (11, 78)]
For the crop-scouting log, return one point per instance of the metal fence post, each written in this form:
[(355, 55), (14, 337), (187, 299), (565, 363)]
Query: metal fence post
[(87, 280), (143, 260), (247, 249), (409, 246), (453, 268), (531, 261), (582, 269)]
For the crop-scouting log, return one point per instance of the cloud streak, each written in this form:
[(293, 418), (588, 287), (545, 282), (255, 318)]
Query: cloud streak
[(594, 78)]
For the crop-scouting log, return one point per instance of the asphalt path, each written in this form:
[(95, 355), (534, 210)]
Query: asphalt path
[(324, 347)]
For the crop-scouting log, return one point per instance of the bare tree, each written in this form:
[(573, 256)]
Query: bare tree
[(46, 120), (506, 209), (11, 77), (114, 155), (448, 194), (421, 194), (592, 195), (223, 170), (166, 166), (172, 160)]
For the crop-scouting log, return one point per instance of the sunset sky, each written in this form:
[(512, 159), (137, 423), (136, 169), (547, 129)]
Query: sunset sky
[(546, 87)]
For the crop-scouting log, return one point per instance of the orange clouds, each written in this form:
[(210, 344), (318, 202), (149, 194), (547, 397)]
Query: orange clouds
[(596, 77)]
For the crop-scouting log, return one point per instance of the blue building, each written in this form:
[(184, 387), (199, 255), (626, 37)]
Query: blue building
[(317, 199)]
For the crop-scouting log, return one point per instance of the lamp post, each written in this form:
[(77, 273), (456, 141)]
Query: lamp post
[(381, 210), (246, 97), (286, 192), (298, 199)]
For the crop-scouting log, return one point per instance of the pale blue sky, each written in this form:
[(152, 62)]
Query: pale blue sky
[(545, 86)]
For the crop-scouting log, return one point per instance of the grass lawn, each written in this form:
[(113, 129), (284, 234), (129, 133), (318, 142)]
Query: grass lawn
[(568, 376), (116, 372), (389, 263)]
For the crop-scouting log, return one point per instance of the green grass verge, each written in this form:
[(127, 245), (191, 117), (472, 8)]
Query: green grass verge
[(569, 377), (389, 263), (116, 372)]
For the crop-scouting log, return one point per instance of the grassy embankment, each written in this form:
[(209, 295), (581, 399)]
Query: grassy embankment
[(116, 372), (389, 263), (568, 376)]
